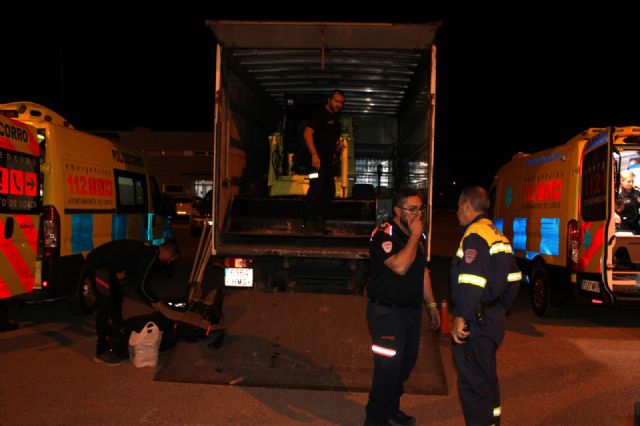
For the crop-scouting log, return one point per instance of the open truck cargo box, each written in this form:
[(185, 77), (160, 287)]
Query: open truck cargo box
[(387, 72)]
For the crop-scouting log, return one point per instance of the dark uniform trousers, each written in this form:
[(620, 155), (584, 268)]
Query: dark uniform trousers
[(477, 372), (109, 299), (395, 333), (321, 191)]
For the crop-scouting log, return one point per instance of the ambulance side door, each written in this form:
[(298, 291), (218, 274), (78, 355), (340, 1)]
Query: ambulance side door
[(594, 206)]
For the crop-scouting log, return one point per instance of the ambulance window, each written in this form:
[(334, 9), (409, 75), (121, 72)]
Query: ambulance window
[(131, 192), (127, 192), (594, 183)]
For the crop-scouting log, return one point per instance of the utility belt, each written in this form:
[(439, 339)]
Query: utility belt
[(479, 313), (390, 305), (492, 302)]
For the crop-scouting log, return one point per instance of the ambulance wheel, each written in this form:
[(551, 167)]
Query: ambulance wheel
[(541, 293), (84, 297)]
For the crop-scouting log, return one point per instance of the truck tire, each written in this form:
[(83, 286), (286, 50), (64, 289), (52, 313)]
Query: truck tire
[(83, 299), (541, 296)]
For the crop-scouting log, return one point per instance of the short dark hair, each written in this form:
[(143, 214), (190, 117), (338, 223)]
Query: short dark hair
[(478, 198), (171, 245), (335, 92), (403, 193)]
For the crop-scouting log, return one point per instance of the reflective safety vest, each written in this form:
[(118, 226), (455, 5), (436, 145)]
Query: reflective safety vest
[(484, 269)]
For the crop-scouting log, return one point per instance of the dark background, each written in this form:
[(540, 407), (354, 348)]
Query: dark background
[(509, 78)]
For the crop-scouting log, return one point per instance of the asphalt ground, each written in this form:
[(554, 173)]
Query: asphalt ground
[(579, 369)]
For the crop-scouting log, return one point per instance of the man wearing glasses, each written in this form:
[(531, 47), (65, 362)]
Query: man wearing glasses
[(399, 285)]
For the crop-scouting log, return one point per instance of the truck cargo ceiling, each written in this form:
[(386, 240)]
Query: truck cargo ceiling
[(375, 64)]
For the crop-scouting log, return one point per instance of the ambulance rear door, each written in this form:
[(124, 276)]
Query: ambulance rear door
[(20, 205), (591, 231), (623, 245)]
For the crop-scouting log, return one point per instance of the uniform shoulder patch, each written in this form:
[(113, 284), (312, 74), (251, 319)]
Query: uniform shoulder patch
[(387, 246), (470, 255), (385, 227)]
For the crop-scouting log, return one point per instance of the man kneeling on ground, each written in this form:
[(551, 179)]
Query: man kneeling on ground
[(104, 265)]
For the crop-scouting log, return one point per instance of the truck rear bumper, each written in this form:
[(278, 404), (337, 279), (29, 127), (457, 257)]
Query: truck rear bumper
[(321, 252)]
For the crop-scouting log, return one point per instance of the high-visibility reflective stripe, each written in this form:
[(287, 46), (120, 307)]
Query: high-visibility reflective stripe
[(102, 282), (6, 142), (4, 289), (81, 232), (29, 230), (514, 276), (496, 412), (313, 175), (144, 227), (590, 258), (460, 253), (118, 227), (385, 352), (388, 229), (500, 248), (149, 230), (18, 266), (472, 279)]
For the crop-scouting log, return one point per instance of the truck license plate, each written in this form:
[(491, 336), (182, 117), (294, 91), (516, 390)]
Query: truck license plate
[(589, 285), (238, 277)]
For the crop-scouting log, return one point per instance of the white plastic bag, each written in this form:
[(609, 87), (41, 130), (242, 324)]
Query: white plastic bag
[(144, 346)]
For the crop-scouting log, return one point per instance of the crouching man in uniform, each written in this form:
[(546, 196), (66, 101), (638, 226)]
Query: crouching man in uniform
[(485, 281), (103, 266)]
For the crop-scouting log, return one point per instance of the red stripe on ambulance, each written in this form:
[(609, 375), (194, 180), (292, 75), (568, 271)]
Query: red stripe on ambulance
[(28, 229), (597, 241), (16, 261)]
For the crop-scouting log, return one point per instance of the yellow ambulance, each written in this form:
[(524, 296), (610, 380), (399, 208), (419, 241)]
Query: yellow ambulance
[(94, 191), (558, 208), (19, 207)]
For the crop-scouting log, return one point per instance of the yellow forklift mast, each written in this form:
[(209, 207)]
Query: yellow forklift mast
[(287, 182)]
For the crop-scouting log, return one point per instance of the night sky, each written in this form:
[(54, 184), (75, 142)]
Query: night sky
[(509, 78)]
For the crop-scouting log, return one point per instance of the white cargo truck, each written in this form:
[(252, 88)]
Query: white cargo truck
[(270, 76)]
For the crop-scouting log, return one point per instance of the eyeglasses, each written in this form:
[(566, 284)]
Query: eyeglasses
[(414, 210)]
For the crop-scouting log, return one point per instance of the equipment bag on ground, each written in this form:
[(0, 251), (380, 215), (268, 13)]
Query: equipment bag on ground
[(144, 346)]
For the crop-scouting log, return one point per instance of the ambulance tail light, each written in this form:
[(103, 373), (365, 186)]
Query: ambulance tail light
[(51, 232), (573, 245)]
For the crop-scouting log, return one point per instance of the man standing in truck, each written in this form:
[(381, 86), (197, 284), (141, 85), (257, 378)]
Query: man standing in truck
[(322, 136)]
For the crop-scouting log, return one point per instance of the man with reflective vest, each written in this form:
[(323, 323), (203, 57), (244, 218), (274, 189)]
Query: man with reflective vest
[(399, 285), (485, 281)]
